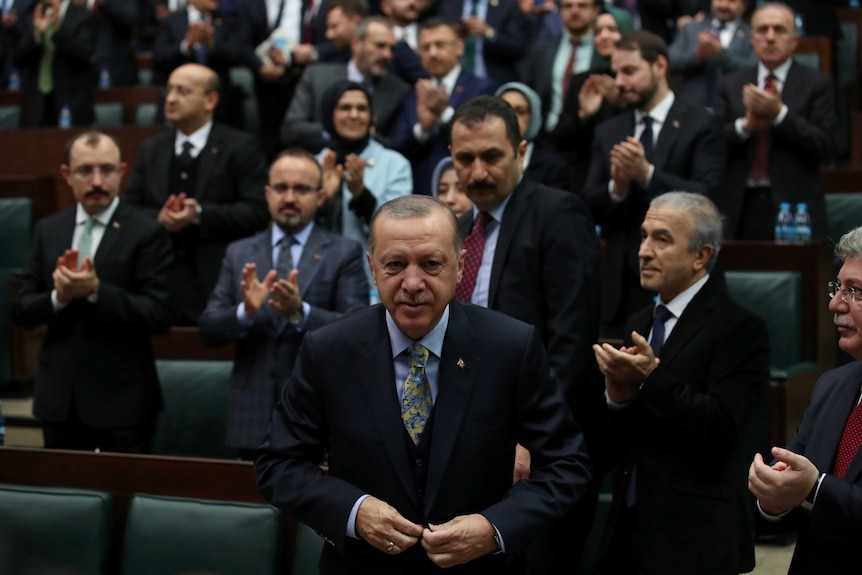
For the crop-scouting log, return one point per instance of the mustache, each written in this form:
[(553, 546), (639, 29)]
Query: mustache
[(416, 299), (483, 185), (842, 320)]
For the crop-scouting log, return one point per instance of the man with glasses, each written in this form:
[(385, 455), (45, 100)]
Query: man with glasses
[(275, 286), (97, 276), (815, 484), (202, 181)]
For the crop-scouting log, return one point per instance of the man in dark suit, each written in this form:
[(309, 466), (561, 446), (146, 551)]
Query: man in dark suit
[(533, 255), (55, 55), (779, 120), (706, 50), (494, 34), (203, 182), (274, 287), (661, 144), (813, 486), (404, 15), (115, 49), (97, 276), (446, 390), (422, 132), (372, 53), (551, 63), (685, 400)]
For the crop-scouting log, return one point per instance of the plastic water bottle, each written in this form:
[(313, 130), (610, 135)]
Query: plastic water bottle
[(800, 24), (14, 79), (65, 118), (104, 78), (802, 223), (784, 224), (853, 3)]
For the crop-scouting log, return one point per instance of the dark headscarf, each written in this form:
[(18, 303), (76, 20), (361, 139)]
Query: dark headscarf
[(342, 147)]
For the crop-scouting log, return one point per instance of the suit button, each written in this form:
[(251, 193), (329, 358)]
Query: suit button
[(420, 493), (420, 462)]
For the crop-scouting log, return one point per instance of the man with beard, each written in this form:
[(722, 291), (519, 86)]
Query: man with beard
[(274, 287), (98, 277), (372, 54), (815, 485), (660, 144)]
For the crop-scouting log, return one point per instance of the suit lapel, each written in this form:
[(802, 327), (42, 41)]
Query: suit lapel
[(377, 376), (668, 135), (207, 161), (459, 368), (111, 236), (459, 90), (312, 255), (696, 315), (162, 166), (823, 445), (512, 216)]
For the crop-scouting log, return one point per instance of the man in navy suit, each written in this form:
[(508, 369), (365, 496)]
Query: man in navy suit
[(266, 302), (815, 485), (685, 400), (422, 132), (420, 403), (97, 276)]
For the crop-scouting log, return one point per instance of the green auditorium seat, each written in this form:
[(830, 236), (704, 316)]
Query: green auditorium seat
[(10, 117), (169, 536), (194, 417), (65, 528), (843, 213), (109, 114), (306, 554)]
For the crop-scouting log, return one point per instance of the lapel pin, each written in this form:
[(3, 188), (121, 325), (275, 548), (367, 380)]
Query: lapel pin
[(371, 162), (460, 363), (116, 225), (214, 150), (317, 257), (494, 3), (675, 124)]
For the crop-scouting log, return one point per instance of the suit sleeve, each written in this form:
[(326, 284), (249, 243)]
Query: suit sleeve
[(166, 47), (218, 323), (299, 126), (681, 52), (32, 306), (77, 44), (809, 133), (351, 288), (510, 41), (136, 192)]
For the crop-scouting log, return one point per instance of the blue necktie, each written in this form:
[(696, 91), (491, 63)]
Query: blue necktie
[(416, 395)]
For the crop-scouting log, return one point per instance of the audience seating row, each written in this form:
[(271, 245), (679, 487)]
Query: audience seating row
[(114, 106)]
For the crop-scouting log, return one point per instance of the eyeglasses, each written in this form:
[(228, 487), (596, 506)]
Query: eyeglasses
[(88, 171), (298, 189), (835, 288)]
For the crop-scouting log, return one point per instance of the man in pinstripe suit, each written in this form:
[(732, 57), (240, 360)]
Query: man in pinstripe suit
[(275, 286)]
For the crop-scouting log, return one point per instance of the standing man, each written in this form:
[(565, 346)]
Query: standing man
[(682, 396), (660, 144), (274, 287), (97, 276), (446, 391), (422, 132), (203, 182), (532, 253), (705, 50), (779, 120), (813, 486)]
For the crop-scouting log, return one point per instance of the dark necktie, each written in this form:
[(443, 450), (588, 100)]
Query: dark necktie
[(185, 157), (656, 341), (278, 16), (284, 265), (760, 160), (416, 395), (851, 440), (570, 67), (646, 137), (474, 243), (307, 18)]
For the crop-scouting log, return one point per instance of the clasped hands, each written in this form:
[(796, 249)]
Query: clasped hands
[(783, 485), (178, 213), (352, 171), (625, 369), (708, 46), (72, 282), (628, 165), (282, 294), (431, 103), (761, 107), (455, 542)]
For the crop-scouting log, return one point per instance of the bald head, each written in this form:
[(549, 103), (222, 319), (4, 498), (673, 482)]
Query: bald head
[(192, 96)]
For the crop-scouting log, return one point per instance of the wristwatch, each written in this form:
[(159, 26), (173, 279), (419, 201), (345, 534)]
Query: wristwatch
[(808, 502), (295, 318)]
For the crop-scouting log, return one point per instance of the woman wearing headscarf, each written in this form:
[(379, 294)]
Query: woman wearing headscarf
[(359, 173), (445, 187), (540, 165)]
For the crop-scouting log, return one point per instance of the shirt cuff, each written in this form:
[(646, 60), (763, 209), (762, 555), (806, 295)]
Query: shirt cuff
[(737, 125), (351, 519), (241, 317), (55, 303), (615, 198), (420, 134), (499, 540), (781, 115), (810, 504), (447, 114), (306, 309), (768, 517), (613, 405), (649, 175)]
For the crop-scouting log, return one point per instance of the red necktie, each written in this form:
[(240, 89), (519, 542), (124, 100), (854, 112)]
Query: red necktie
[(307, 19), (851, 439), (567, 75), (760, 161), (474, 243)]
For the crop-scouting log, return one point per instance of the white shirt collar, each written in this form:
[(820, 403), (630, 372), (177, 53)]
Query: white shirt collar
[(104, 218), (450, 79), (353, 73), (433, 340), (195, 15), (659, 112), (678, 304), (198, 139), (300, 237), (780, 72)]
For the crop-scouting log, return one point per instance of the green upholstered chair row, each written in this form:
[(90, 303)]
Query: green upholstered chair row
[(194, 417), (306, 553), (168, 535), (57, 529), (843, 213)]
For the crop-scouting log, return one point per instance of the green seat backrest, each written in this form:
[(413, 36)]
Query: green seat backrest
[(306, 553), (169, 535), (16, 227), (194, 417), (10, 117), (109, 114), (145, 115), (68, 528), (775, 296), (843, 213)]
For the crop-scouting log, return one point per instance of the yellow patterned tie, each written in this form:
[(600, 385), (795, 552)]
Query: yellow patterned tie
[(46, 69), (416, 395)]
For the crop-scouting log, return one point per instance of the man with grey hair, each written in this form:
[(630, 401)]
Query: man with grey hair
[(815, 485), (422, 478), (683, 396)]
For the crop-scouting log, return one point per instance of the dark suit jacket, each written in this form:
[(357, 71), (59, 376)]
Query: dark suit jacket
[(659, 16), (829, 534), (689, 156), (230, 181), (496, 389), (118, 19), (798, 146), (332, 281), (424, 156), (406, 63), (510, 42), (694, 85), (545, 273), (98, 356), (689, 433), (547, 168), (72, 68), (302, 127)]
